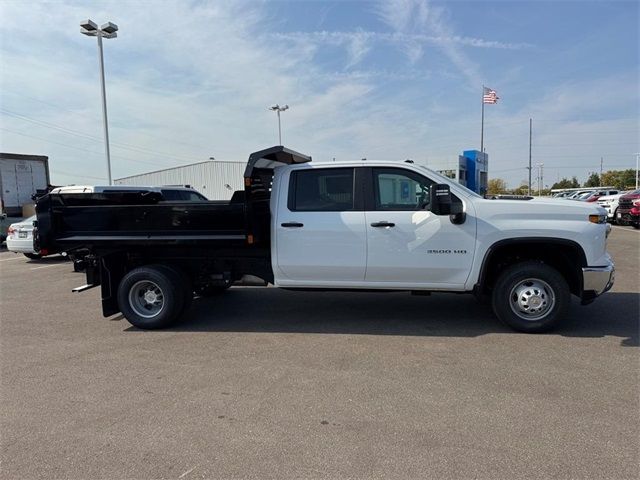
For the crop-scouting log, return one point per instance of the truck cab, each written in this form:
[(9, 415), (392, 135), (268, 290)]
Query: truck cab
[(369, 225)]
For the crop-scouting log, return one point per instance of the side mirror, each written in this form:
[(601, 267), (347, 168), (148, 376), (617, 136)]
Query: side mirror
[(442, 203)]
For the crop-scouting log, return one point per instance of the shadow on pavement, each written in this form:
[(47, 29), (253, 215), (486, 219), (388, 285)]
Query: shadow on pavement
[(48, 260), (272, 310)]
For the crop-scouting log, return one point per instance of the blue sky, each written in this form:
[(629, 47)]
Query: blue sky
[(392, 79)]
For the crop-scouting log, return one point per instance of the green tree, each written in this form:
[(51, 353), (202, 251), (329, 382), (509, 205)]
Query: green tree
[(523, 189), (566, 183), (497, 186), (621, 179), (593, 180)]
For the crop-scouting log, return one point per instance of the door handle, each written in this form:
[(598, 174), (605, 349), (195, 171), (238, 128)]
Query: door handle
[(383, 224), (292, 224)]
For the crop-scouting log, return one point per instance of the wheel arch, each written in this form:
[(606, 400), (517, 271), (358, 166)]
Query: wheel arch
[(566, 256)]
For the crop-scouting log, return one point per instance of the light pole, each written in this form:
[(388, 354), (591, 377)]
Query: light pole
[(277, 108), (637, 157), (540, 165), (107, 30)]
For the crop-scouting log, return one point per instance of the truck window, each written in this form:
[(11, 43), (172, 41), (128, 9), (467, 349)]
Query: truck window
[(399, 189), (321, 190)]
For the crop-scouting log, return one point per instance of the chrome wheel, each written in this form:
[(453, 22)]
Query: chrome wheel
[(532, 299), (146, 298)]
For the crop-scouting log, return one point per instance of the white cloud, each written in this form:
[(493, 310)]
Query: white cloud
[(188, 81), (411, 17)]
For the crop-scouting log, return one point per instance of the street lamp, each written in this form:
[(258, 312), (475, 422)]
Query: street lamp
[(277, 108), (540, 166), (637, 157), (107, 30)]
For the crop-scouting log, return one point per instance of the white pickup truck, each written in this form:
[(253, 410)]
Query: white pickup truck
[(334, 226)]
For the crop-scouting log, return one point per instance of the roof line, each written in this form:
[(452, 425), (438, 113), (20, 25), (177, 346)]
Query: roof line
[(179, 166)]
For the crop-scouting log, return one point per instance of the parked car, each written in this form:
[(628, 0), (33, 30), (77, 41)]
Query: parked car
[(595, 195), (20, 238), (610, 203), (577, 195), (635, 213), (626, 204)]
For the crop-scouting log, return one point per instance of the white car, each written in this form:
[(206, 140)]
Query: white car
[(20, 238), (610, 204)]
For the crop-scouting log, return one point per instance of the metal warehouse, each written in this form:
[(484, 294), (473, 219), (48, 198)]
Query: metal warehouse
[(216, 180)]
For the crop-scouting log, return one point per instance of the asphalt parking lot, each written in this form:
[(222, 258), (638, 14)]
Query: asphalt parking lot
[(263, 383)]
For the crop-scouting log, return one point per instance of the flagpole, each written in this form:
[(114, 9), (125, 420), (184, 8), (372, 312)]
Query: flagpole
[(482, 127)]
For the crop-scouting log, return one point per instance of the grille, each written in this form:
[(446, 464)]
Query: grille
[(625, 203)]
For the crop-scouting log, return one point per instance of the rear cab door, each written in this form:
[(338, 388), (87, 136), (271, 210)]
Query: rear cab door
[(318, 227)]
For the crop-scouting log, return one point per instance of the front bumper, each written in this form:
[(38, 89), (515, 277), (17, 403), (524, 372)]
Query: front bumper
[(596, 281), (626, 217)]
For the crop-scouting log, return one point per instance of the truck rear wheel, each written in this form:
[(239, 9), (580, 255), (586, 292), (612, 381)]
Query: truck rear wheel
[(531, 297), (151, 297)]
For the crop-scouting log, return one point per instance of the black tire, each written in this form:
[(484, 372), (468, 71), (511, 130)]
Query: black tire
[(615, 217), (531, 297), (166, 297), (186, 286), (33, 256)]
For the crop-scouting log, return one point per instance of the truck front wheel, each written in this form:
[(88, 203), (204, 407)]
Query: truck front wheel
[(150, 297), (531, 297)]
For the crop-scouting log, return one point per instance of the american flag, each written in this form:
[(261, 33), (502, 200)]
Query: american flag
[(489, 96)]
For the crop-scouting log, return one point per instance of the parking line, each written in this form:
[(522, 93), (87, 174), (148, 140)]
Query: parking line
[(48, 266), (9, 259), (625, 229)]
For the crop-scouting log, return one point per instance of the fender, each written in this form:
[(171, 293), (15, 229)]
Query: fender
[(516, 241)]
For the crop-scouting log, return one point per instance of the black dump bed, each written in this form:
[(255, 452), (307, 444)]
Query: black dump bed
[(68, 221), (78, 220)]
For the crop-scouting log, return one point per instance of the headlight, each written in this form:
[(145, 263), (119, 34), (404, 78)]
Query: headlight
[(595, 218)]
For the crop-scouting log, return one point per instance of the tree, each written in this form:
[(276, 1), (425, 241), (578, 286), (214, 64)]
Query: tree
[(566, 183), (523, 189), (593, 180), (621, 179), (497, 186)]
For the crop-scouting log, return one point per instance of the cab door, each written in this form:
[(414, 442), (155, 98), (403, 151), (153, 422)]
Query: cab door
[(320, 234), (407, 245)]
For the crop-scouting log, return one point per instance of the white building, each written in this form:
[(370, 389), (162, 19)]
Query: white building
[(216, 180), (454, 168)]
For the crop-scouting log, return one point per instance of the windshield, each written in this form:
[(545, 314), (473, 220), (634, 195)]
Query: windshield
[(447, 180)]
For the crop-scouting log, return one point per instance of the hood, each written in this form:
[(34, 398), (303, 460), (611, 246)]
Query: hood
[(608, 198), (631, 196), (585, 206), (544, 205)]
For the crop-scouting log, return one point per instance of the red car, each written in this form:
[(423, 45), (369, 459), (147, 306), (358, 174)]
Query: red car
[(629, 210)]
